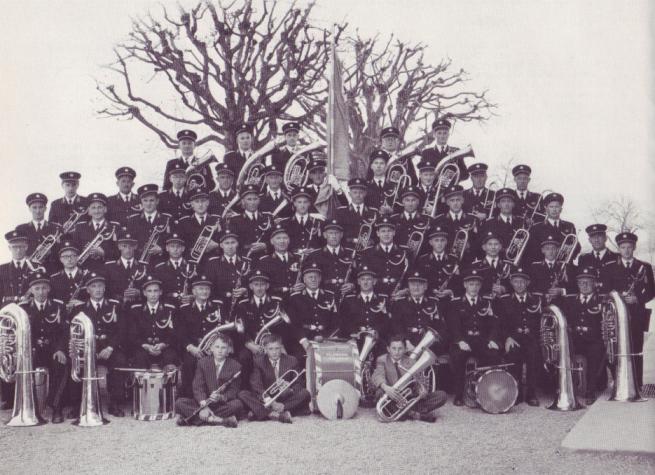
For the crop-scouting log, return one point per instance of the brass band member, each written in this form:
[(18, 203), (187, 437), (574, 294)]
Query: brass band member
[(526, 200), (273, 194), (440, 268), (547, 276), (427, 186), (252, 226), (333, 260), (387, 260), (267, 369), (304, 229), (352, 216), (213, 373), (62, 208), (38, 228), (86, 232), (281, 155), (441, 132), (174, 201), (236, 158), (390, 367), (121, 274), (378, 186), (599, 254), (187, 144), (494, 271), (454, 218), (553, 225), (124, 203), (70, 279), (474, 330), (410, 219), (140, 225), (520, 314), (478, 196), (14, 275), (190, 227), (505, 222), (174, 273), (224, 192), (281, 266)]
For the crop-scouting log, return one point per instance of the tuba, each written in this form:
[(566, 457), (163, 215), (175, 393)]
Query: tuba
[(615, 326), (82, 349), (296, 171), (410, 388), (16, 365), (210, 337), (556, 351), (278, 316)]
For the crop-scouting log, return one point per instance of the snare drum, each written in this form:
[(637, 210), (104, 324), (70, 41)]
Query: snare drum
[(328, 360), (493, 390), (154, 395)]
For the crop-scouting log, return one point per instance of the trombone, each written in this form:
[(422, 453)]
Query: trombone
[(281, 384)]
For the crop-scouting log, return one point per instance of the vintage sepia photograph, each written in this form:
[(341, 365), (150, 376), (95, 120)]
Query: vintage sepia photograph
[(327, 236)]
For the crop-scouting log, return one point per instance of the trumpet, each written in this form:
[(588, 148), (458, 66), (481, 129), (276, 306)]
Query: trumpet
[(448, 175), (517, 246), (205, 236), (210, 337), (279, 316), (105, 234), (281, 384), (296, 171)]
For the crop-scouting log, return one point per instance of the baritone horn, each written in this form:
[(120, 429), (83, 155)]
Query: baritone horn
[(82, 349), (16, 365), (281, 384), (296, 171), (208, 340), (278, 317)]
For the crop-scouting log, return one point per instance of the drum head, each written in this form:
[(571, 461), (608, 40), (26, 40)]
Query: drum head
[(337, 399), (496, 391)]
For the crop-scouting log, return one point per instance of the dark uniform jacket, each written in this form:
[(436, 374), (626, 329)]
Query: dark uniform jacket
[(542, 277), (523, 208), (468, 322), (311, 317), (235, 160), (389, 267), (175, 206), (333, 267), (218, 202), (412, 319), (475, 204), (109, 324), (224, 277), (173, 280), (205, 171), (491, 275), (189, 229), (375, 195), (465, 221), (436, 155), (504, 230), (406, 225), (85, 232), (14, 282), (251, 230), (141, 230), (194, 324), (282, 275), (268, 204), (152, 329), (439, 272), (254, 318), (584, 319), (588, 259), (207, 381), (62, 287), (119, 210), (118, 278), (263, 373), (352, 221), (60, 210), (639, 277), (521, 320), (540, 231), (49, 328), (34, 238), (358, 315), (299, 234)]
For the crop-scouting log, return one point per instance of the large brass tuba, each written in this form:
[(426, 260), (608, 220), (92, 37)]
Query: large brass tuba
[(296, 170), (208, 340), (410, 388), (16, 365), (615, 327), (556, 351), (82, 349), (279, 316)]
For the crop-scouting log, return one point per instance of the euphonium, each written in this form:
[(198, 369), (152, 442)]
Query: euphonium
[(281, 384), (410, 388), (615, 326), (82, 349), (554, 340), (370, 339), (296, 171), (517, 246), (278, 317), (210, 337), (16, 365)]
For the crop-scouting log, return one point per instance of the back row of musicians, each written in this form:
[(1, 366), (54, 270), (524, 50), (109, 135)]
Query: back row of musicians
[(155, 280)]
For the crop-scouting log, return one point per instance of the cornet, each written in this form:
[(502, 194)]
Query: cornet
[(284, 382)]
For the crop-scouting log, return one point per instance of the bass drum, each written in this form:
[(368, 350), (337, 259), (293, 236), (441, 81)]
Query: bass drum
[(492, 390), (154, 395), (328, 360)]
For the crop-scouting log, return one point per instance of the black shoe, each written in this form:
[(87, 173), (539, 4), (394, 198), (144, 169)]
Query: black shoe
[(428, 418), (230, 422), (73, 413), (532, 401), (590, 400), (305, 411), (443, 398), (458, 401), (179, 420), (57, 416), (285, 417), (251, 416), (116, 411)]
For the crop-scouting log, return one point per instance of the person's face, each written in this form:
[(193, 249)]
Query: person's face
[(273, 350), (522, 180), (186, 147), (438, 244), (386, 234), (301, 204), (358, 195), (312, 280), (366, 283), (125, 184), (201, 292), (492, 247), (149, 203), (229, 246), (396, 350), (220, 349), (40, 291), (333, 237), (225, 181), (280, 242), (317, 175), (250, 202), (586, 285), (598, 241), (68, 259), (519, 284), (472, 286), (259, 287), (18, 250), (96, 290), (175, 249), (244, 141), (178, 180), (506, 205), (626, 249), (426, 175), (549, 251), (37, 210), (417, 288), (126, 249), (378, 167), (97, 211), (200, 205), (390, 143), (70, 187), (410, 203), (553, 209), (455, 203), (152, 293), (291, 138), (274, 180), (442, 136), (479, 179)]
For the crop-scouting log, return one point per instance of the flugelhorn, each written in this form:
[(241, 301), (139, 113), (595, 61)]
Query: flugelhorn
[(208, 340), (281, 384), (105, 234), (278, 317), (44, 248), (517, 246), (205, 236)]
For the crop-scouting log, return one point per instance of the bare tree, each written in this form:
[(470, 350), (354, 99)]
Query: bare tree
[(220, 65), (620, 214)]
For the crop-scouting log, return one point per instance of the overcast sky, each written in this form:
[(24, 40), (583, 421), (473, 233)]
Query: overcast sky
[(572, 80)]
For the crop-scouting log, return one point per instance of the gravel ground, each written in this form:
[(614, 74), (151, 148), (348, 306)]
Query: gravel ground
[(527, 440)]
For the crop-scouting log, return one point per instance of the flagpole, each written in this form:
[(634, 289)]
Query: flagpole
[(330, 111)]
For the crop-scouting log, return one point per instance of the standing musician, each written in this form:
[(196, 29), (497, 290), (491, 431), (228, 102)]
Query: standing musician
[(441, 131), (427, 186), (410, 219), (273, 195), (386, 259), (599, 254), (474, 331), (110, 328), (303, 228), (492, 268), (520, 315), (49, 339), (390, 367), (213, 373), (549, 277), (86, 232), (152, 329), (175, 200), (236, 158), (440, 267), (195, 319), (252, 226), (281, 266), (352, 216), (66, 282), (224, 192), (455, 218), (62, 208), (281, 155), (334, 260), (267, 370), (478, 198), (175, 272), (378, 186), (14, 275), (124, 203), (187, 144), (526, 200), (318, 177), (142, 224), (633, 278), (121, 274), (505, 223), (38, 228), (191, 227), (553, 225)]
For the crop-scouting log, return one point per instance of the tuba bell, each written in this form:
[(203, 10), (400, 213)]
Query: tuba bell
[(279, 316), (16, 365), (554, 339), (82, 349), (430, 336), (615, 327), (208, 340)]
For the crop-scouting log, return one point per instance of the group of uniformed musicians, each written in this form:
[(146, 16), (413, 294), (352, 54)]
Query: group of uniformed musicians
[(158, 269)]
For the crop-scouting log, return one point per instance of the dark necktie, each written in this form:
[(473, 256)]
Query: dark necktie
[(550, 265), (149, 219), (152, 311), (395, 364)]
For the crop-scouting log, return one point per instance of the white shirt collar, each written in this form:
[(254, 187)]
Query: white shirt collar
[(602, 252), (152, 307), (470, 298), (439, 256), (73, 272), (36, 223), (251, 214), (368, 295), (521, 298), (200, 306), (549, 262), (334, 249), (490, 259), (626, 261), (282, 255), (302, 216), (152, 215), (505, 219), (126, 262), (409, 215), (125, 197), (553, 222), (456, 215), (95, 303)]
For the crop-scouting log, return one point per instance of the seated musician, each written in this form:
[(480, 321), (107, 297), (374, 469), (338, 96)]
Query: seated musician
[(303, 228), (474, 330), (224, 192), (493, 269), (478, 198), (186, 145), (62, 208), (553, 225), (440, 267), (49, 340), (520, 315), (410, 219), (548, 277), (352, 216), (141, 225), (504, 223), (390, 367), (174, 200), (281, 266), (386, 259), (70, 279), (175, 271), (152, 329), (86, 232), (124, 203), (273, 195), (252, 226), (378, 187), (235, 159), (215, 385), (121, 274), (334, 260), (267, 369), (195, 320), (281, 154), (584, 315), (110, 327), (38, 229), (526, 200), (192, 227), (14, 275)]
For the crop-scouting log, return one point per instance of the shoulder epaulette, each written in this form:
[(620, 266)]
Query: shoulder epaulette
[(135, 305), (110, 262), (243, 300), (435, 299), (488, 297), (114, 223), (214, 258), (384, 296), (275, 297), (440, 216), (476, 261), (166, 214), (456, 299), (298, 292), (350, 296), (329, 292), (135, 215), (608, 263), (169, 305), (504, 296), (217, 301), (56, 274), (113, 301), (160, 264), (538, 294), (185, 305), (58, 301), (183, 218), (342, 207)]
